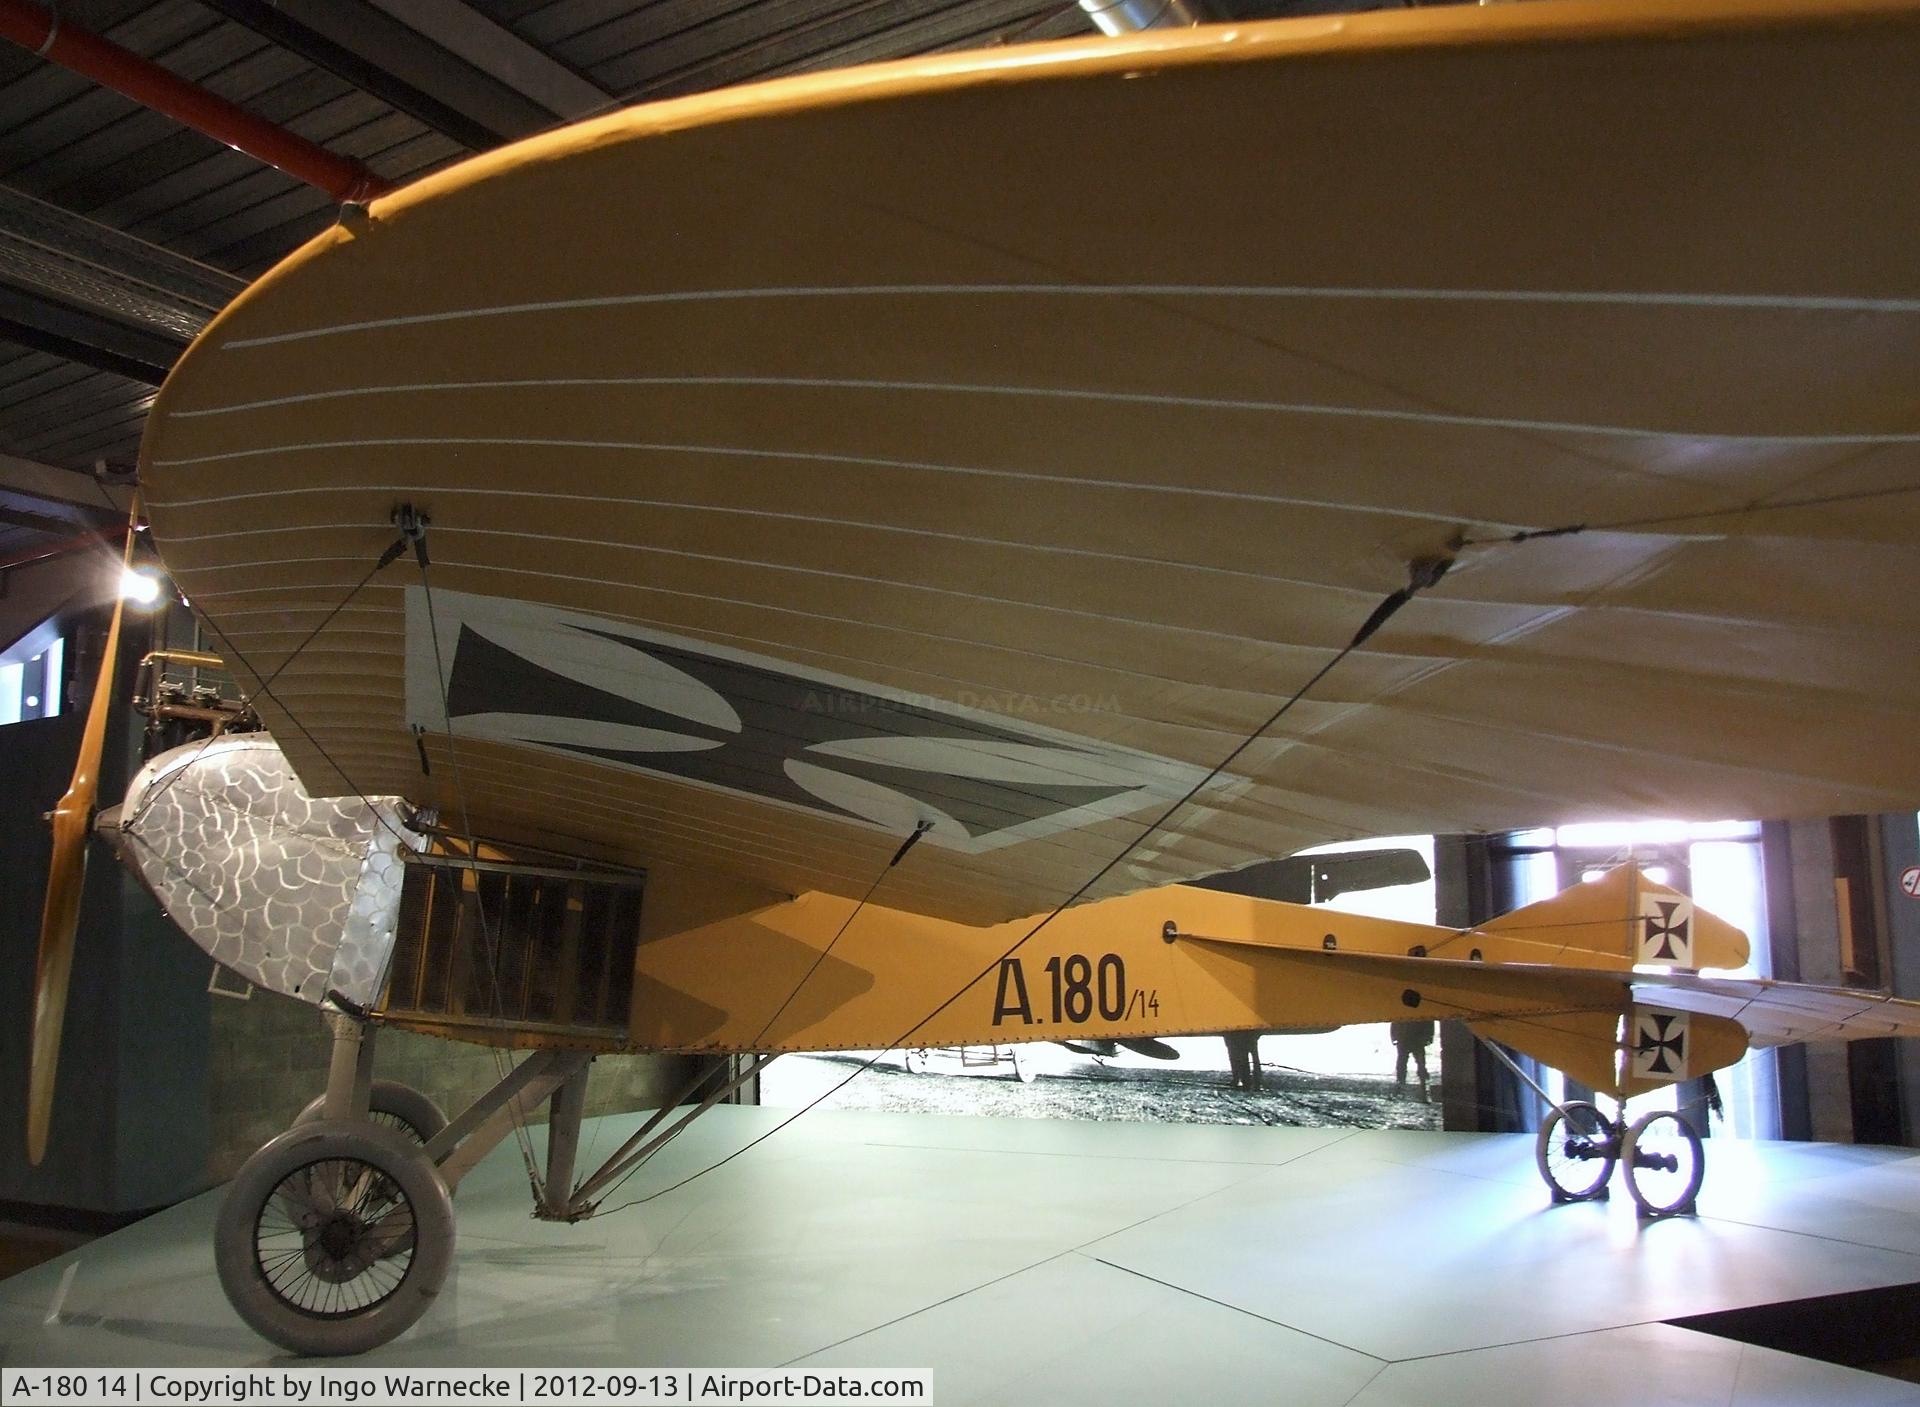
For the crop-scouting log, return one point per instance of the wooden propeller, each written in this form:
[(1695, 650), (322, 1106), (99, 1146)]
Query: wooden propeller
[(60, 919)]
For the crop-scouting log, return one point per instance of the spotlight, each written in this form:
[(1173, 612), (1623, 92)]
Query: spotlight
[(141, 588)]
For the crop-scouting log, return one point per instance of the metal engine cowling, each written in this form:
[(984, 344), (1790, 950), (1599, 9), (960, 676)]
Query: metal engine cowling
[(294, 893)]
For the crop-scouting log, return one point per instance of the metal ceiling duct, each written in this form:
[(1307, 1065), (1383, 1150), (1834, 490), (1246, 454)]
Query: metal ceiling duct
[(1129, 16), (46, 34)]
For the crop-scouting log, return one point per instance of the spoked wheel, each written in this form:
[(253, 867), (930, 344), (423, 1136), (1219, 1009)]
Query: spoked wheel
[(335, 1237), (1024, 1068), (1665, 1163), (1576, 1151), (916, 1061), (392, 1105)]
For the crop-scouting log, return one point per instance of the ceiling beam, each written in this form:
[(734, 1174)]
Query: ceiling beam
[(68, 258), (105, 344), (378, 54), (46, 523), (496, 50), (68, 488)]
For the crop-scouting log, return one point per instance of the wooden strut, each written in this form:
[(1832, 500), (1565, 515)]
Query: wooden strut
[(1514, 1065), (458, 1147), (639, 1147)]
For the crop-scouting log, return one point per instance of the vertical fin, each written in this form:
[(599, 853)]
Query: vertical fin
[(1619, 921)]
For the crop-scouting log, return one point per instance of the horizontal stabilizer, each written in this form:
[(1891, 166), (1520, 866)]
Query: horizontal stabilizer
[(1615, 1029), (1784, 1013)]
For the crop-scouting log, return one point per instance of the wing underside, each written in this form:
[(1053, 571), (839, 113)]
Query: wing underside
[(993, 441)]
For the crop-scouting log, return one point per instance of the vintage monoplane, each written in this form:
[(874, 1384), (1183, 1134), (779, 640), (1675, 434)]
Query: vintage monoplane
[(816, 565)]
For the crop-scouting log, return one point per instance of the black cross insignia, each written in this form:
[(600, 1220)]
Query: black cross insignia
[(1666, 935), (1654, 1045)]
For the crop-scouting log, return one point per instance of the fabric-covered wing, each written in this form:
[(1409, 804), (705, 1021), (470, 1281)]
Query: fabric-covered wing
[(993, 440)]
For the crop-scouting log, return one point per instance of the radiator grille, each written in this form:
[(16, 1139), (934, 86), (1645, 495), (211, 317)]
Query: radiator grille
[(502, 945)]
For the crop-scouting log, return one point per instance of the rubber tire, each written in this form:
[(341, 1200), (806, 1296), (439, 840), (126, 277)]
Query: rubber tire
[(402, 1102), (1679, 1206), (1544, 1141), (1025, 1069), (239, 1268)]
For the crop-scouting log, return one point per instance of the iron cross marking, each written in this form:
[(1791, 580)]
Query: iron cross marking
[(1669, 937), (1660, 1045), (985, 774)]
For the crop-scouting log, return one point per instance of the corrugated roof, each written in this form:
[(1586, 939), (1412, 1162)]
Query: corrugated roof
[(59, 413), (683, 46)]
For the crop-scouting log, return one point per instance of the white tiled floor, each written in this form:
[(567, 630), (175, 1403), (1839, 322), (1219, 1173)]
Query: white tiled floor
[(1029, 1261)]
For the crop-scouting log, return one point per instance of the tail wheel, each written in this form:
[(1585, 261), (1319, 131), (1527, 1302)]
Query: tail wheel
[(392, 1105), (1576, 1151), (1665, 1162), (334, 1238), (1024, 1068)]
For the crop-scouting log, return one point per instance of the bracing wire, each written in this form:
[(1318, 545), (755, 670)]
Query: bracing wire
[(503, 1063), (234, 650), (1696, 515), (805, 977), (1423, 573), (845, 924), (265, 686)]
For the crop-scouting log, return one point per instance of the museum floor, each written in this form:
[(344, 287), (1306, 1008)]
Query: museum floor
[(1029, 1261)]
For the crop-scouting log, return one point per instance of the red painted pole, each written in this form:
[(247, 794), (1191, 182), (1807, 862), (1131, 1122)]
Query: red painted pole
[(147, 83)]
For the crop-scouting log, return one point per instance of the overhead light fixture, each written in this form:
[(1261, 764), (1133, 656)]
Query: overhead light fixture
[(141, 588)]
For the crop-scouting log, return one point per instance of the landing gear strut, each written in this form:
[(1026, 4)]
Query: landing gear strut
[(337, 1236), (1578, 1148), (1665, 1161), (1660, 1154), (1576, 1152)]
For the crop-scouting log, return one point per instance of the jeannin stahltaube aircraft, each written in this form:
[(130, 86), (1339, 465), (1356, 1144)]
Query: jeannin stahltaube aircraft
[(902, 521)]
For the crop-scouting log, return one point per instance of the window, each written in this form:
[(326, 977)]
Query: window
[(33, 676)]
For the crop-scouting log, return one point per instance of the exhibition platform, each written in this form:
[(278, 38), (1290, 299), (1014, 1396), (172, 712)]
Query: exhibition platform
[(1028, 1261)]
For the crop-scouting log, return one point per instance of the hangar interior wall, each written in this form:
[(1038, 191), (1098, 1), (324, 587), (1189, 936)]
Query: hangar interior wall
[(130, 1119)]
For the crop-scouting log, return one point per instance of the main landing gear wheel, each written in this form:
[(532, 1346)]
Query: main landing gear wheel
[(1664, 1161), (335, 1237), (916, 1061), (1576, 1151), (1024, 1068), (392, 1105)]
